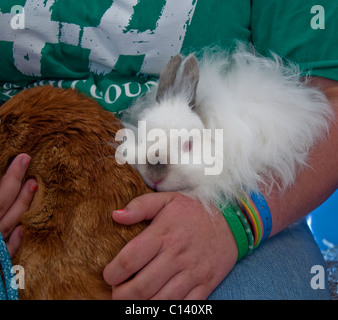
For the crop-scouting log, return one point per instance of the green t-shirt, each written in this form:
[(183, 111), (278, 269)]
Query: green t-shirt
[(114, 50)]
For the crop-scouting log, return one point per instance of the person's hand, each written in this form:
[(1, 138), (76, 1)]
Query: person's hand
[(183, 254), (15, 200)]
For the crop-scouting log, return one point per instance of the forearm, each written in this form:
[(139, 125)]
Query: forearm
[(316, 182)]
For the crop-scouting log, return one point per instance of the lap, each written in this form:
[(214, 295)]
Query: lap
[(279, 269)]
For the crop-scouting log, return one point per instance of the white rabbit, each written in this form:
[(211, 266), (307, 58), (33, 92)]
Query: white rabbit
[(270, 119)]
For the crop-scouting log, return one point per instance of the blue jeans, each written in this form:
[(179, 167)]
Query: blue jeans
[(279, 269)]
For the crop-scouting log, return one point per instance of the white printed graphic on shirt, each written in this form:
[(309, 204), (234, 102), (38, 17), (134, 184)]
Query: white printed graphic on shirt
[(159, 45), (107, 41)]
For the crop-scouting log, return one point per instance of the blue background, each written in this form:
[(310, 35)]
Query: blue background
[(324, 222)]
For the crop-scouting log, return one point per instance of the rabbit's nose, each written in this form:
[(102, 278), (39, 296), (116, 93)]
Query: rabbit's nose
[(156, 183)]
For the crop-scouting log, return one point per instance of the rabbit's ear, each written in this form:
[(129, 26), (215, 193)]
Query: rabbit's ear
[(174, 82), (168, 76), (189, 78)]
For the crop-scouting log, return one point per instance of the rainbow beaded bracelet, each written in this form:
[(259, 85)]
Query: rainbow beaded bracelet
[(257, 211), (252, 214)]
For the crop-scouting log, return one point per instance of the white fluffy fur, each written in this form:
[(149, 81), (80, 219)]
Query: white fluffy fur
[(270, 117)]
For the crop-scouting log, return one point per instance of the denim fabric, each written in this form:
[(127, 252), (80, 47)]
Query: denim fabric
[(279, 269)]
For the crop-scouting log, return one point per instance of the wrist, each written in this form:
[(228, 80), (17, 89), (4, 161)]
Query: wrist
[(249, 220)]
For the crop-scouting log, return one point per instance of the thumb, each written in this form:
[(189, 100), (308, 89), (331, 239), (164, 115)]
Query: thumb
[(144, 207)]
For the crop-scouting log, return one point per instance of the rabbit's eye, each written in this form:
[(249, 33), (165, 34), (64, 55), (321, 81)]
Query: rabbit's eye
[(187, 145)]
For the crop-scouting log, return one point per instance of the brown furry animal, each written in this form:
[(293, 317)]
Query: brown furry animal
[(69, 235)]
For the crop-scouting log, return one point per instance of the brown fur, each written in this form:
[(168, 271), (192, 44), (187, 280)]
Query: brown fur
[(69, 235)]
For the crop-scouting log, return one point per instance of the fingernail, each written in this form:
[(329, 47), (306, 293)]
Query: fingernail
[(123, 211), (25, 162), (33, 187)]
